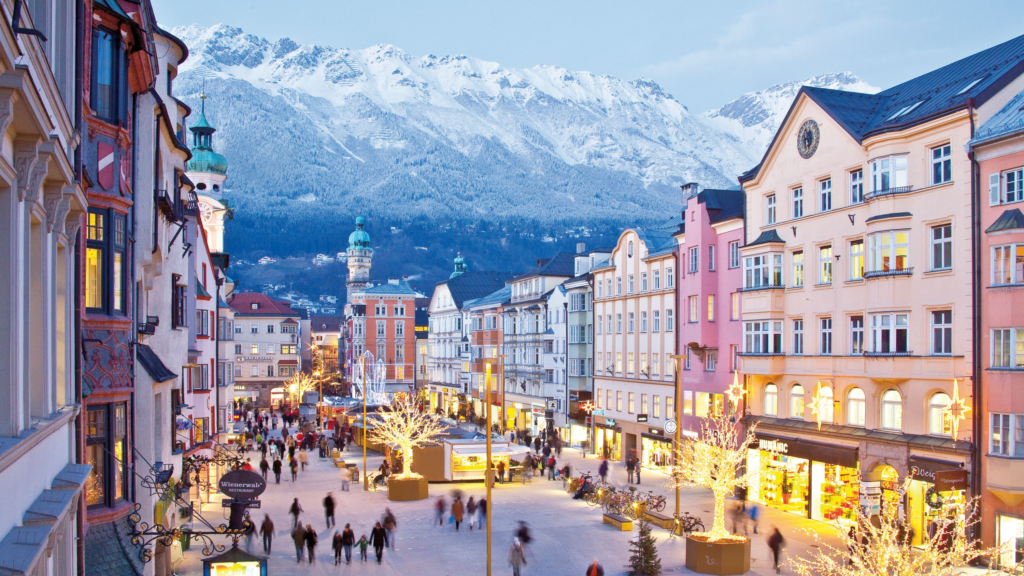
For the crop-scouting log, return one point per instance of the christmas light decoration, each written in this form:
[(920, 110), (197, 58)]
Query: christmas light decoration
[(299, 384), (406, 427), (736, 392), (714, 460), (957, 409), (587, 406), (369, 379), (820, 405), (883, 545)]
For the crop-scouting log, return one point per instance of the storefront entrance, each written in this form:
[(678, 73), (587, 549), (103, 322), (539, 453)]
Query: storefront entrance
[(816, 481), (656, 451), (608, 442), (1010, 534), (933, 483)]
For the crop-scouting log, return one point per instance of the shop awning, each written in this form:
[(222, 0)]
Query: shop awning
[(287, 362), (816, 451)]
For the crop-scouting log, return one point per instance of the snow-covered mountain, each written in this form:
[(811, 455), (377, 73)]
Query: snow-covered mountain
[(381, 130), (754, 117)]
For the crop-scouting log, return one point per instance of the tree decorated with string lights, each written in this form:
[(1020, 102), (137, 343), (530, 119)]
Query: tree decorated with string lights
[(882, 545), (299, 384), (715, 460), (403, 425)]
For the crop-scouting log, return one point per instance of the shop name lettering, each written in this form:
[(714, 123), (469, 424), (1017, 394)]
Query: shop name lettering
[(241, 485), (776, 446)]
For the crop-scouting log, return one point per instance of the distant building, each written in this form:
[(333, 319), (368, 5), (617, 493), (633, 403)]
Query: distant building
[(388, 319), (266, 347), (325, 332), (360, 258), (485, 342), (266, 260)]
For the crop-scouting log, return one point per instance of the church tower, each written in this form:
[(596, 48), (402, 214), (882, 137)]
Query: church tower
[(360, 256), (208, 170)]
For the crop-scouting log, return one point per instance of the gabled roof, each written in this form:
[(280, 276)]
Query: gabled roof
[(241, 303), (768, 237), (496, 298), (1008, 220), (156, 369), (563, 264), (325, 323), (722, 205), (1006, 122), (937, 93), (400, 288), (201, 290), (474, 284)]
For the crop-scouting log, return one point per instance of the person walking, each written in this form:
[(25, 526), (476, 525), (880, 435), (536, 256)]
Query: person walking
[(294, 465), (311, 542), (516, 557), (390, 525), (295, 510), (551, 467), (336, 546), (595, 569), (637, 466), (379, 539), (439, 508), (329, 511), (323, 446), (754, 513), (630, 467), (458, 509), (346, 478), (299, 538), (481, 507), (501, 472), (348, 539), (264, 467), (303, 459), (776, 542), (471, 512), (277, 470), (267, 531), (362, 547)]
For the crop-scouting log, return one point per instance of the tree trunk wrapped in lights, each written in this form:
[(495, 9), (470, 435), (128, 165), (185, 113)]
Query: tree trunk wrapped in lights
[(882, 545), (299, 384), (714, 460), (406, 427)]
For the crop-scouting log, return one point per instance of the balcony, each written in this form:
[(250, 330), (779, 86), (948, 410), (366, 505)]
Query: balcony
[(763, 301), (869, 274), (888, 192), (765, 287), (192, 204), (1002, 478)]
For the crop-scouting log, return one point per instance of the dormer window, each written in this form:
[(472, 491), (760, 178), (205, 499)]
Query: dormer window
[(255, 306)]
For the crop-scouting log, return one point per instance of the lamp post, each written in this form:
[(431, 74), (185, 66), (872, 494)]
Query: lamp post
[(362, 366), (488, 474), (677, 358)]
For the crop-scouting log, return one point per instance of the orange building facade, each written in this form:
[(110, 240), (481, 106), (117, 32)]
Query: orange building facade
[(390, 330)]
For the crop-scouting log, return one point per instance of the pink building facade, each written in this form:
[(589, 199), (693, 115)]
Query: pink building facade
[(710, 279)]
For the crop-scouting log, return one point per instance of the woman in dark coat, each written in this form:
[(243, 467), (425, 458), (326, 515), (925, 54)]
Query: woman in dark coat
[(311, 541)]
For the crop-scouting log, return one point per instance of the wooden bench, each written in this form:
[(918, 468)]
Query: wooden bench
[(659, 519), (620, 522)]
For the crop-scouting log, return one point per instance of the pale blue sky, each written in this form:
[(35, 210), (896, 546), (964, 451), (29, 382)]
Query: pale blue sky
[(705, 53)]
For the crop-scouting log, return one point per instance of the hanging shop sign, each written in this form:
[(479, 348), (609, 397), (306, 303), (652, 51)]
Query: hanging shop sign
[(242, 484), (807, 450), (641, 417), (945, 475), (946, 480)]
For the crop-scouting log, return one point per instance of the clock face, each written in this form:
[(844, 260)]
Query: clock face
[(206, 211), (807, 139)]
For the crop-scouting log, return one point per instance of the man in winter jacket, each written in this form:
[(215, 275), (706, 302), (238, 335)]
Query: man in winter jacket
[(267, 531), (378, 539)]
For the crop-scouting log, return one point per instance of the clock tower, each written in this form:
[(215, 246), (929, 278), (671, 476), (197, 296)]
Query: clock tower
[(360, 257), (208, 170)]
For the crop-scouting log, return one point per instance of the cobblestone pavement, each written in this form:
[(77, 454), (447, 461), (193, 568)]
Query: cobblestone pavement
[(568, 534)]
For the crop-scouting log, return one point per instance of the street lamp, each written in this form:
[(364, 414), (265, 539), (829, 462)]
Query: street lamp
[(488, 475), (677, 358)]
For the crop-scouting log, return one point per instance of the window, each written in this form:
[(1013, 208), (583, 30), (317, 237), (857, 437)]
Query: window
[(107, 452), (1008, 348), (399, 328), (702, 405), (629, 284), (709, 361), (270, 348), (618, 400), (609, 317), (857, 260), (888, 251), (657, 321), (771, 400), (643, 281), (629, 249), (827, 407), (942, 332), (687, 402), (734, 254), (1008, 264), (254, 371), (762, 271), (656, 364), (1013, 187), (178, 302), (599, 289), (670, 407), (657, 406), (825, 195), (238, 348), (270, 328), (762, 337), (608, 404), (1007, 435), (939, 422), (107, 84), (798, 202), (657, 279), (598, 398), (711, 257), (856, 187), (888, 173), (796, 402), (770, 209), (643, 322), (942, 166), (94, 258), (669, 278), (694, 309), (825, 265), (643, 404), (825, 340), (798, 268), (668, 321), (889, 333), (105, 261), (254, 349), (942, 247), (735, 305), (798, 336), (734, 354), (254, 328), (693, 259), (856, 334), (643, 363), (618, 286), (892, 410), (711, 307), (631, 323), (618, 362), (289, 349), (629, 363), (618, 323), (270, 370), (855, 407)]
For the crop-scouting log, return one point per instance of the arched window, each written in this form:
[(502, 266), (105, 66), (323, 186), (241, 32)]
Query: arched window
[(796, 402), (827, 408), (201, 186), (892, 410), (939, 422), (855, 407), (629, 249), (771, 400)]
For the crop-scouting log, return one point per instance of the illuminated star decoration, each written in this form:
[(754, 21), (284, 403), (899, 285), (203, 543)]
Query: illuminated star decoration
[(820, 404), (587, 406), (957, 409), (736, 391)]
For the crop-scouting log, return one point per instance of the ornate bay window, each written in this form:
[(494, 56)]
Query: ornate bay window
[(762, 271)]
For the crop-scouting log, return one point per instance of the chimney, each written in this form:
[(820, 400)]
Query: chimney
[(690, 189), (581, 247), (405, 276)]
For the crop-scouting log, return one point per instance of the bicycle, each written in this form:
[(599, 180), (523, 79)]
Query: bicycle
[(376, 481), (687, 524), (655, 502)]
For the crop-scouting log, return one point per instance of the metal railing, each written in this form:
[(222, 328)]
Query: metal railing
[(868, 274), (888, 192)]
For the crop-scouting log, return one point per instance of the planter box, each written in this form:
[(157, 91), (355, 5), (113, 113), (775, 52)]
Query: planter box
[(720, 558), (407, 489)]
